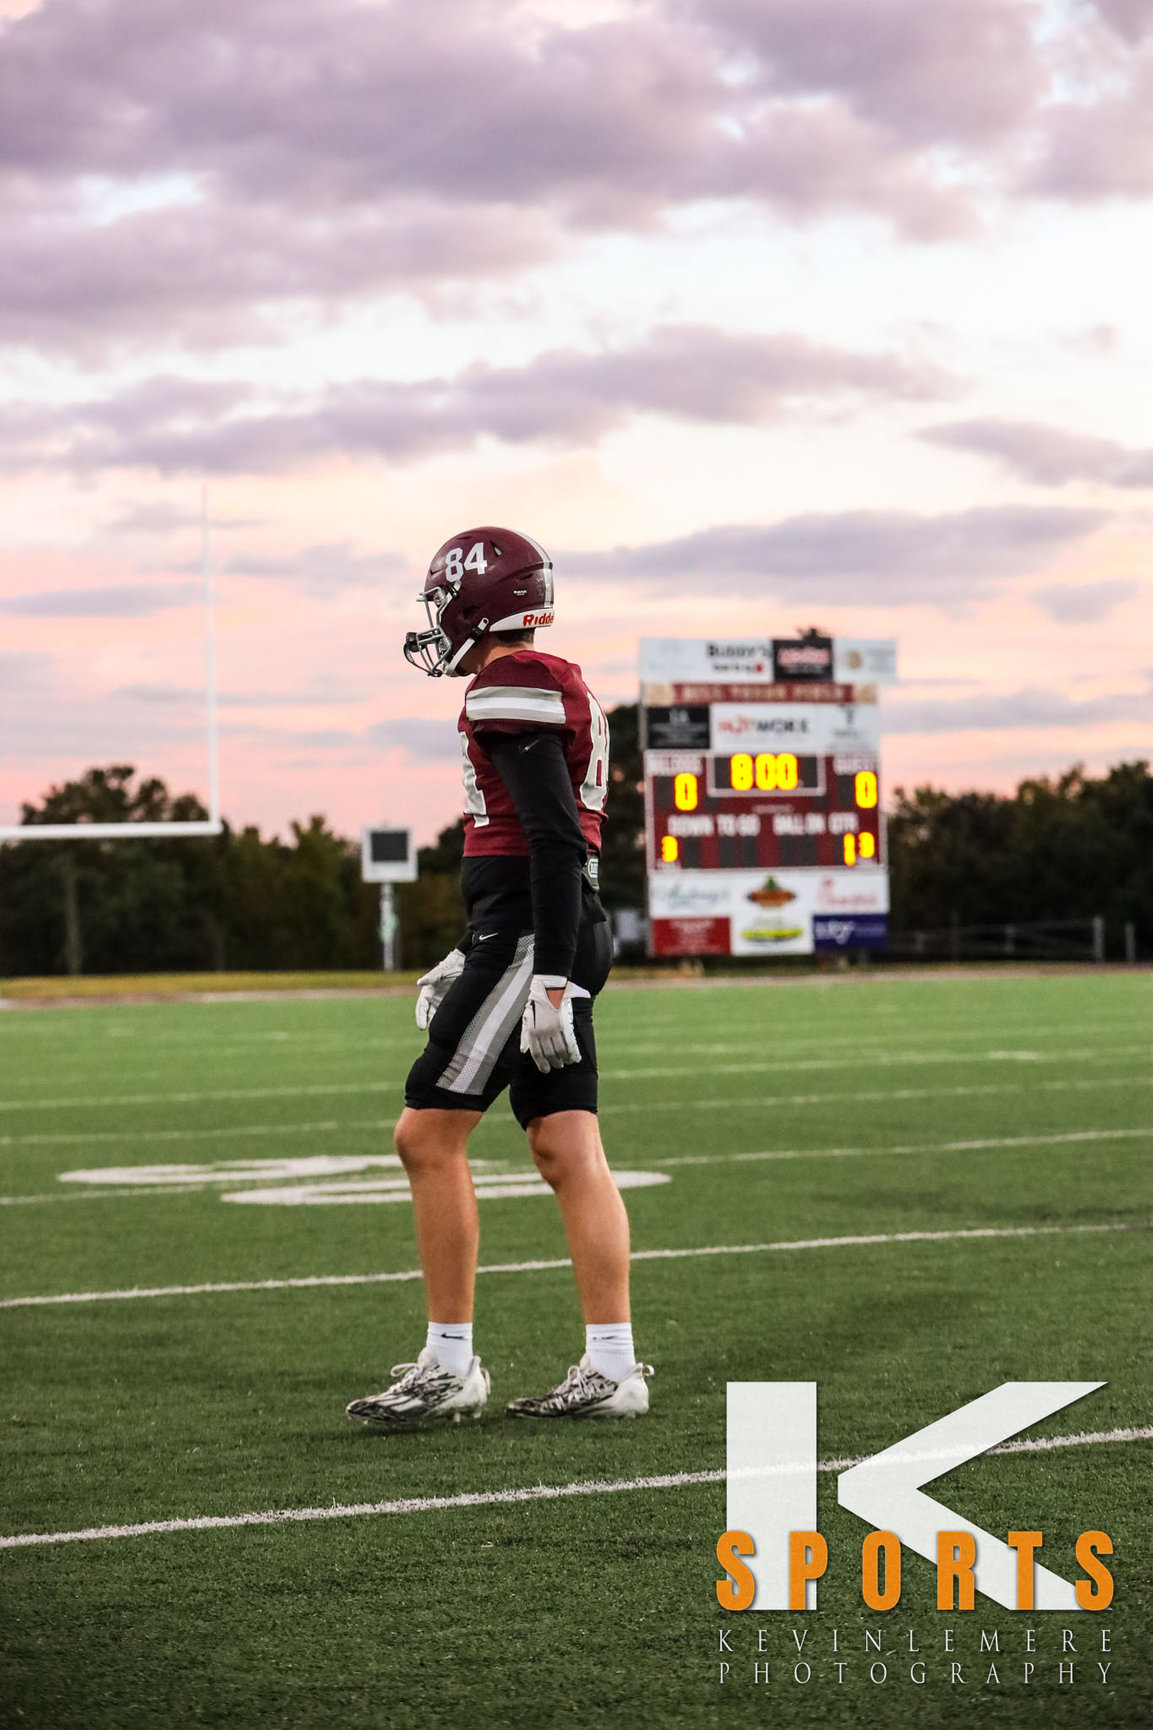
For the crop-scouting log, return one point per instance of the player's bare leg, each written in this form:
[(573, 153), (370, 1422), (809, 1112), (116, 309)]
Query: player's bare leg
[(447, 1382), (608, 1382), (570, 1157), (433, 1148)]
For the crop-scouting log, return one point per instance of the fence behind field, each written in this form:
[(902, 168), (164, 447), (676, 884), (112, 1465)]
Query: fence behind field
[(1042, 940)]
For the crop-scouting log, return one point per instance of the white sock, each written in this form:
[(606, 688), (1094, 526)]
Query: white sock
[(452, 1344), (609, 1346)]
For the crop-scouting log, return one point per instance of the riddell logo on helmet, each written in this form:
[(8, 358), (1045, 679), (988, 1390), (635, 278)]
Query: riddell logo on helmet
[(531, 619)]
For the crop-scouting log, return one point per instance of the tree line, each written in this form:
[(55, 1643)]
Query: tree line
[(240, 901), (1072, 846), (1065, 848)]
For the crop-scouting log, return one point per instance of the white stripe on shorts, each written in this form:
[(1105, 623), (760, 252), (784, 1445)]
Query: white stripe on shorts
[(485, 1037)]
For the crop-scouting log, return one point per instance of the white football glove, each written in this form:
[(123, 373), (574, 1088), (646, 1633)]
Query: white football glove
[(434, 987), (546, 1033)]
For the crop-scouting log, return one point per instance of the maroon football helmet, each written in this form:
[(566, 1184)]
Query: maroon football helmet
[(480, 581)]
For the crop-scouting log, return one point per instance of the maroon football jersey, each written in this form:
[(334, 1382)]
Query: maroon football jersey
[(529, 692)]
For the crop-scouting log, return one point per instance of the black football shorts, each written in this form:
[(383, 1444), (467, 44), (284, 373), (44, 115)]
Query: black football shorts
[(473, 1051)]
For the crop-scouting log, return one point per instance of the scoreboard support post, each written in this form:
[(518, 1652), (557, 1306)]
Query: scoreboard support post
[(764, 830), (388, 923)]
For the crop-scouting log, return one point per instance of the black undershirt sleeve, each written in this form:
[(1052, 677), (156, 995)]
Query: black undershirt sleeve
[(533, 768)]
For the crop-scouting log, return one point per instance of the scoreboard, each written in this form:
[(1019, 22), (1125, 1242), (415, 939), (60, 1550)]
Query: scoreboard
[(762, 779)]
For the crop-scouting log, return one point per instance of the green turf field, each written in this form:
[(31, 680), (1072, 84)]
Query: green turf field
[(780, 1114)]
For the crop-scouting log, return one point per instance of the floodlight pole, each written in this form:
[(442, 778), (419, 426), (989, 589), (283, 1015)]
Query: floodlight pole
[(209, 664)]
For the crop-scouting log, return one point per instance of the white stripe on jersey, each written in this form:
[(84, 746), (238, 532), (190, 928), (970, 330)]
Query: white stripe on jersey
[(515, 703), (487, 1033)]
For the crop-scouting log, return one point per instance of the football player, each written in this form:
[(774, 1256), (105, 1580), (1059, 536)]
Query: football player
[(512, 1005)]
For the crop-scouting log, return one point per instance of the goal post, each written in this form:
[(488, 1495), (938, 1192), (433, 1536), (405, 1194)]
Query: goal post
[(130, 830)]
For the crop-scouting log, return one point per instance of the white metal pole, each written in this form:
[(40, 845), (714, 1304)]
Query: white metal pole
[(1098, 937), (209, 662), (387, 928)]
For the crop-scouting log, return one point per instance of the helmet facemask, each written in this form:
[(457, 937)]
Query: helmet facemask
[(432, 650), (429, 649)]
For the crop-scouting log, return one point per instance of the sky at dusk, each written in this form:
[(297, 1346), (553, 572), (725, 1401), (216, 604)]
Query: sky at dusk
[(756, 313)]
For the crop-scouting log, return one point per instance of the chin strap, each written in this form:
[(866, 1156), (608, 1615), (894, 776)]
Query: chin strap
[(453, 666)]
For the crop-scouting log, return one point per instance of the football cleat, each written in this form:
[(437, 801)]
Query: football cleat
[(585, 1393), (424, 1394)]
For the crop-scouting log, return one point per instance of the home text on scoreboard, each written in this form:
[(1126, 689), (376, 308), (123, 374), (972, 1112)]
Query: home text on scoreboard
[(763, 823)]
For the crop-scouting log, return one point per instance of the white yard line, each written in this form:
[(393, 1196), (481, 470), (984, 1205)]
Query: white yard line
[(330, 1126), (342, 1279), (881, 1053), (491, 1498), (163, 1291), (980, 1090), (102, 1194), (326, 1127), (213, 1179), (882, 1059), (888, 1237), (973, 1146), (88, 1101)]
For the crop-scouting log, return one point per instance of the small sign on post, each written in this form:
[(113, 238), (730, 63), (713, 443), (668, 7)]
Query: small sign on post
[(387, 856)]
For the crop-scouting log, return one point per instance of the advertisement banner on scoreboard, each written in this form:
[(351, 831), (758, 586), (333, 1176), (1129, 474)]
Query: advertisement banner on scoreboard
[(736, 660), (763, 913), (865, 660), (720, 660), (677, 726), (748, 912), (869, 932), (805, 658), (851, 893), (819, 728)]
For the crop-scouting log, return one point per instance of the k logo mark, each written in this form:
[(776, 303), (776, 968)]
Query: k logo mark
[(772, 1482)]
